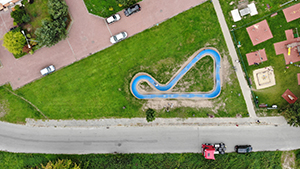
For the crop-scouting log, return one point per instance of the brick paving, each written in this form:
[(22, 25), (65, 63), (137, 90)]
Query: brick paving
[(88, 34)]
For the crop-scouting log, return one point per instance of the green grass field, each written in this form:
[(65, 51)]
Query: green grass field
[(228, 161), (98, 86), (284, 79), (102, 8)]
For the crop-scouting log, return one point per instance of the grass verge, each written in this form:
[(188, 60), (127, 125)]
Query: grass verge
[(188, 160)]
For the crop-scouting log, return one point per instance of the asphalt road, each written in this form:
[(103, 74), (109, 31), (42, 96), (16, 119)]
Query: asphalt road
[(19, 138)]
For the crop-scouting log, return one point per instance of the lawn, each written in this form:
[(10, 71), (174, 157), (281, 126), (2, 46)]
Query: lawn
[(102, 8), (285, 78), (188, 160), (98, 86)]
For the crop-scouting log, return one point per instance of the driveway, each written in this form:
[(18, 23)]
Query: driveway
[(88, 34)]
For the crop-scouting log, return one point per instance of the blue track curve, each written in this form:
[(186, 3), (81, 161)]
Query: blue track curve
[(212, 94)]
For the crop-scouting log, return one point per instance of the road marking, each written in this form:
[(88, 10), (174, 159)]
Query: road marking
[(3, 22), (71, 49), (107, 27)]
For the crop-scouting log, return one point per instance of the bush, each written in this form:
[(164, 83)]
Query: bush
[(26, 18), (150, 115), (292, 114), (18, 14), (51, 32), (14, 41), (57, 9)]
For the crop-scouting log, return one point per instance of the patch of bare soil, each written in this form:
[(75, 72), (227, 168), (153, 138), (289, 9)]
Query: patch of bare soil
[(288, 160), (226, 70), (158, 104), (2, 108)]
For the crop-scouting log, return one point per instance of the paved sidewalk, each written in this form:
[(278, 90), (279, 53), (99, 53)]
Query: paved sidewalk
[(239, 72), (275, 121)]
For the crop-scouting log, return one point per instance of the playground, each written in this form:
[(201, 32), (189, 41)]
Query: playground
[(269, 47)]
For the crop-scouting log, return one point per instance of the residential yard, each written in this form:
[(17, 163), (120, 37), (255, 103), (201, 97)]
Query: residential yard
[(188, 160), (98, 86), (285, 78)]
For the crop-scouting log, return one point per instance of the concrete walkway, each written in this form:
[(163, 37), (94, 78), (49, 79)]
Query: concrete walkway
[(95, 123), (239, 72)]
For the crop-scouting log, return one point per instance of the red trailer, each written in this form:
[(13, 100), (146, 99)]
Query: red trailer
[(209, 150)]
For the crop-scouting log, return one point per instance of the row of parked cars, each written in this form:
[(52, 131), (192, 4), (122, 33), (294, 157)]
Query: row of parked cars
[(114, 18)]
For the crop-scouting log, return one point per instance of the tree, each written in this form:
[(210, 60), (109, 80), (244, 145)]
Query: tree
[(57, 9), (61, 164), (51, 32), (292, 115), (150, 115), (18, 14), (14, 41), (26, 18)]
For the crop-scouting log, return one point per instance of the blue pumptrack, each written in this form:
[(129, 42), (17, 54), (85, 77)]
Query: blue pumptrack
[(214, 93)]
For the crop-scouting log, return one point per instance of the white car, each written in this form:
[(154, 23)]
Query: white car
[(113, 18), (118, 37), (47, 70)]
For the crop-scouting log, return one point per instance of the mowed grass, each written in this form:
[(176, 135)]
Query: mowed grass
[(187, 160), (15, 109), (98, 86), (199, 79), (101, 8), (285, 78)]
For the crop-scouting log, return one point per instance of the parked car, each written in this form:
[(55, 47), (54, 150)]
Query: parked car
[(118, 37), (133, 9), (47, 70), (243, 148), (113, 18)]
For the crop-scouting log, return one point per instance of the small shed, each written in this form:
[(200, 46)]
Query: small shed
[(253, 10), (235, 15)]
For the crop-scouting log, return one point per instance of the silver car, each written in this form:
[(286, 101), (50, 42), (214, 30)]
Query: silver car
[(113, 18), (47, 70), (118, 37)]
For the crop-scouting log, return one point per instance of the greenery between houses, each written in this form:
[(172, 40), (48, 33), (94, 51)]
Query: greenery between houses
[(285, 78), (98, 86), (107, 161)]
